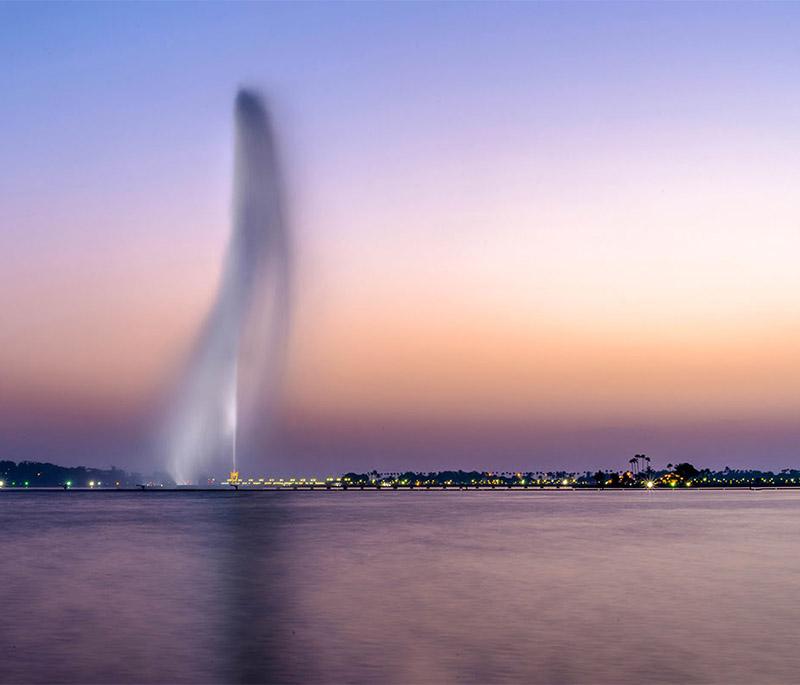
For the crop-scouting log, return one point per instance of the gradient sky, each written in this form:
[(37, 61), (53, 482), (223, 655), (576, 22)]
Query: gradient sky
[(527, 235)]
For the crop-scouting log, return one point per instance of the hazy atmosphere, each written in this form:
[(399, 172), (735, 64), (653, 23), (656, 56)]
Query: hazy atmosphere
[(523, 235)]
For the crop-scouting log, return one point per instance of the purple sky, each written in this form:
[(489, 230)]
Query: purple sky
[(528, 235)]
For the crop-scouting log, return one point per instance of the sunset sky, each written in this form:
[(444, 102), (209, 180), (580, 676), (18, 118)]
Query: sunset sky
[(526, 235)]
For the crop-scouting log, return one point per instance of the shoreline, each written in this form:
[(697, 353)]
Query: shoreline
[(372, 488)]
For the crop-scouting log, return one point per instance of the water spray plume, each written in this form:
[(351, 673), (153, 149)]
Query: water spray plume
[(225, 400)]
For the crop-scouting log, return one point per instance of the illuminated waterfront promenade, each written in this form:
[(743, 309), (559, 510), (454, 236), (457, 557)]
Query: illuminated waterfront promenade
[(318, 486), (38, 476)]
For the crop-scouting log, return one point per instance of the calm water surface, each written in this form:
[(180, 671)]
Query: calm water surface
[(400, 587)]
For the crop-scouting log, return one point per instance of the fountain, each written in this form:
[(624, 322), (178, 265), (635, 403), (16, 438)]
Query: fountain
[(226, 395)]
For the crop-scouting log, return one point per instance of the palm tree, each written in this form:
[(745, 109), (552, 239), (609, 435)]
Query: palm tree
[(634, 462)]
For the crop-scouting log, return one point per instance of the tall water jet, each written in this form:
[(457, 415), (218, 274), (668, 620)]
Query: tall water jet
[(225, 399)]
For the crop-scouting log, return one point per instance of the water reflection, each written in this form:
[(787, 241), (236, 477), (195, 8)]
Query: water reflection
[(252, 587), (399, 587)]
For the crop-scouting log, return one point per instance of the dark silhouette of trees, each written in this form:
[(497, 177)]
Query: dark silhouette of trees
[(644, 459), (44, 474), (686, 471)]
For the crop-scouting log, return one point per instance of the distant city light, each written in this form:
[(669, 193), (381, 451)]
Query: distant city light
[(650, 484)]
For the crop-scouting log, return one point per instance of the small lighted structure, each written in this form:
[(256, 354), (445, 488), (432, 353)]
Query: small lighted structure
[(233, 479)]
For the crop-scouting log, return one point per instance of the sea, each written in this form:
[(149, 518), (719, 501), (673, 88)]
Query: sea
[(689, 586)]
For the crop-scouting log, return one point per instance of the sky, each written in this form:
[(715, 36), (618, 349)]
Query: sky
[(527, 236)]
